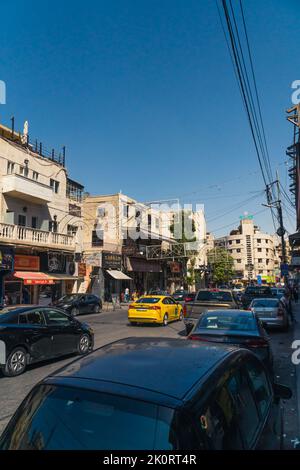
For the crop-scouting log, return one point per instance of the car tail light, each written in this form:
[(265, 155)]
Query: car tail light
[(197, 338), (257, 343), (188, 299), (154, 307), (184, 311), (131, 306)]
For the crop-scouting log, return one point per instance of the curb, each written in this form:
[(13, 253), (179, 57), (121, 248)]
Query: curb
[(296, 308)]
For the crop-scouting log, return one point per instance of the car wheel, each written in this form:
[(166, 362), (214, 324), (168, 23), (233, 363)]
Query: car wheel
[(133, 323), (165, 320), (74, 311), (97, 308), (16, 363), (180, 316), (84, 344)]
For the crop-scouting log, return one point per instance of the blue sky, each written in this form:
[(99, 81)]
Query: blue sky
[(143, 95)]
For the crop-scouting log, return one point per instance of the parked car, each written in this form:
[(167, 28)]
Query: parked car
[(207, 299), (184, 297), (271, 311), (278, 292), (153, 394), (159, 309), (75, 304), (34, 334), (255, 292), (237, 327)]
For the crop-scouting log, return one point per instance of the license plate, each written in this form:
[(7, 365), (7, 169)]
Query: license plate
[(141, 309)]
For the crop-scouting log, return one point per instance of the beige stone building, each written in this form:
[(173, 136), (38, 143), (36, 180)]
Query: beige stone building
[(253, 251), (40, 220)]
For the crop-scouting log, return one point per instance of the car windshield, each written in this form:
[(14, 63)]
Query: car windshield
[(67, 418), (219, 296), (265, 303), (239, 321), (148, 300), (68, 298), (258, 291)]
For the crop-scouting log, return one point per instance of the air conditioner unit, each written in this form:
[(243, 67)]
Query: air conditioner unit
[(72, 268)]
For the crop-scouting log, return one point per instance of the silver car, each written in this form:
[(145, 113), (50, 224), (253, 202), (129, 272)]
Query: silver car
[(272, 312)]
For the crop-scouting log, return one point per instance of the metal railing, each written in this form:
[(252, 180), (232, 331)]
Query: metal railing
[(15, 233)]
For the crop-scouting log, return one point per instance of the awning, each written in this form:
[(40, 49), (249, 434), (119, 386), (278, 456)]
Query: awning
[(63, 277), (143, 266), (34, 278), (118, 275)]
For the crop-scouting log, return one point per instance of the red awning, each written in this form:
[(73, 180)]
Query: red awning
[(32, 278)]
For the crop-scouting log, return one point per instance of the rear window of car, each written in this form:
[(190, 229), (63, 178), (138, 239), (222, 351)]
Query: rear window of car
[(148, 300), (61, 418), (265, 303), (260, 291), (218, 296), (228, 321)]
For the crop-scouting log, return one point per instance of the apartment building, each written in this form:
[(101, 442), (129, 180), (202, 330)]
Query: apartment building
[(40, 222), (117, 232), (253, 252)]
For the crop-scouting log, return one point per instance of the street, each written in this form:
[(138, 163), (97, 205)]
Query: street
[(112, 325)]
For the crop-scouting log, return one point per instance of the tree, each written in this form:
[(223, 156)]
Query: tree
[(183, 228), (221, 264)]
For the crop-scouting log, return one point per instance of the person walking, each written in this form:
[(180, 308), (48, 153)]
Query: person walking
[(126, 295)]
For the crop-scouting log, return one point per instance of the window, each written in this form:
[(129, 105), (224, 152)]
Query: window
[(238, 241), (260, 260), (267, 241), (259, 250), (259, 240), (55, 317), (125, 211), (34, 222), (230, 242), (72, 229), (32, 318), (53, 226), (261, 386), (156, 222), (35, 175), (245, 406), (219, 422), (59, 417), (97, 237), (238, 250), (22, 220), (101, 212), (10, 167), (238, 260), (54, 185)]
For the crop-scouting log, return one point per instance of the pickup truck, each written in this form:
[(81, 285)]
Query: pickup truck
[(207, 299)]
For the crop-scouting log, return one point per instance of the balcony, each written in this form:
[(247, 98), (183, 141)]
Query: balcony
[(32, 237), (27, 189)]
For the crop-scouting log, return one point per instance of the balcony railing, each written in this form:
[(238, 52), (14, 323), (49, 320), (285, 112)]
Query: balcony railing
[(31, 236)]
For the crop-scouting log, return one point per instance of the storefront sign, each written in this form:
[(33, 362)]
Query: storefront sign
[(27, 263), (40, 282), (175, 267), (6, 259), (81, 269), (111, 260), (93, 259)]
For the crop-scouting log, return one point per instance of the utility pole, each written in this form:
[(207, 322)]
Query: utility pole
[(277, 205)]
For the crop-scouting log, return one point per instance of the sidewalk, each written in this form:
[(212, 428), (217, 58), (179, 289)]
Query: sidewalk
[(108, 306), (296, 336)]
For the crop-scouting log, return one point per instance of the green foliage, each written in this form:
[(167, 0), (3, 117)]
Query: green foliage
[(221, 264)]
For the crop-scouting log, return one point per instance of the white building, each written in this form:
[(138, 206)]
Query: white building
[(40, 220)]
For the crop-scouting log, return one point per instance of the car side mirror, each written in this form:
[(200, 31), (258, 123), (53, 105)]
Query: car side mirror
[(282, 391)]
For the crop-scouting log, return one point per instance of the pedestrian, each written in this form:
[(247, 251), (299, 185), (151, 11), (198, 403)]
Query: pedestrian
[(126, 298), (286, 299), (295, 294)]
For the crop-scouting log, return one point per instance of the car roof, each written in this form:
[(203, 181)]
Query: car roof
[(228, 310), (165, 366)]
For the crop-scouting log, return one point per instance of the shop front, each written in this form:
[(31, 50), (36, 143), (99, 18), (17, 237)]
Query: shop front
[(6, 268), (146, 275), (37, 279), (115, 280)]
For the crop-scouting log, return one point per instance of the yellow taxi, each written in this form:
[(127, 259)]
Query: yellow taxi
[(160, 309)]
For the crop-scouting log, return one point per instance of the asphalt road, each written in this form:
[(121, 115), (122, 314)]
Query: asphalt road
[(111, 326)]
